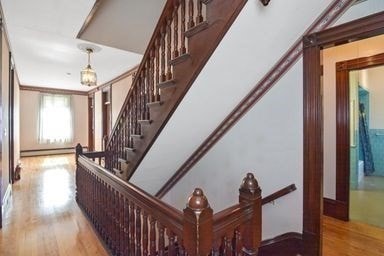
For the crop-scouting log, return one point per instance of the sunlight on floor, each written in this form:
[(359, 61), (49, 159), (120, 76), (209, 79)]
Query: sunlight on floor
[(55, 189), (54, 161)]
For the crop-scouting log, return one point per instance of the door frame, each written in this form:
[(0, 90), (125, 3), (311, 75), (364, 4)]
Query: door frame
[(91, 122), (366, 27), (11, 112)]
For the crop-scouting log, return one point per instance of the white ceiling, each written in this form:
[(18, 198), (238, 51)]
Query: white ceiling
[(132, 21), (42, 37)]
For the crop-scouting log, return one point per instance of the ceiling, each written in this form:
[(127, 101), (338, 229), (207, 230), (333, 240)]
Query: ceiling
[(42, 36)]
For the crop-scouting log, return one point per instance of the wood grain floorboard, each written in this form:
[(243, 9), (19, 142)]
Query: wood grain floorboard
[(43, 218), (351, 238)]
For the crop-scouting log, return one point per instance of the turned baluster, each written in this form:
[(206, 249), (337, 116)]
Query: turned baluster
[(145, 234), (182, 28), (197, 226), (199, 17), (227, 245), (131, 229), (151, 76), (161, 229), (157, 72), (121, 224), (250, 192), (237, 243), (138, 231), (142, 95), (169, 49), (191, 10), (152, 236), (171, 244), (162, 63), (126, 227), (175, 30)]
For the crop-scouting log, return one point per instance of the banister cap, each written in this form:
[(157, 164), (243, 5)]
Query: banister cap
[(198, 201), (250, 183)]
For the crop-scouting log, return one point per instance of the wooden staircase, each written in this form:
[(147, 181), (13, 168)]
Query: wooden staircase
[(185, 37)]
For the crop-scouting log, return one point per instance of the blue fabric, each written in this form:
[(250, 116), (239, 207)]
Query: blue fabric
[(365, 142)]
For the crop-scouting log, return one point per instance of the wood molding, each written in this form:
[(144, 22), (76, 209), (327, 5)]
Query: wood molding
[(111, 82), (278, 194), (336, 209), (313, 144), (285, 245), (89, 18), (47, 149), (260, 89), (52, 90)]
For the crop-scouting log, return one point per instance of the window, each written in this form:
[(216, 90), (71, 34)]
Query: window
[(55, 119)]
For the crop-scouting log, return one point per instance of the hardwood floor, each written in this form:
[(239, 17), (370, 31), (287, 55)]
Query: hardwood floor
[(351, 238), (43, 218)]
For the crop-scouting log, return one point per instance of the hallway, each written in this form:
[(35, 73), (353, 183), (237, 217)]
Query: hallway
[(43, 218)]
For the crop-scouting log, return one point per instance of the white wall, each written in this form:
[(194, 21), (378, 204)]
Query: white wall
[(266, 141), (119, 93), (98, 121), (29, 125), (375, 84), (332, 55)]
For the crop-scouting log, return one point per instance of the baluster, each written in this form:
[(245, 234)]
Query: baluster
[(162, 63), (152, 236), (126, 227), (199, 17), (161, 249), (237, 246), (145, 234), (175, 30), (131, 229), (191, 7), (227, 246), (138, 231), (169, 49), (171, 244), (181, 251), (182, 29), (142, 94), (151, 76), (121, 226), (157, 72)]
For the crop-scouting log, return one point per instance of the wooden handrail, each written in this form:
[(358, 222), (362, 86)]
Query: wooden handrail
[(278, 194), (132, 222)]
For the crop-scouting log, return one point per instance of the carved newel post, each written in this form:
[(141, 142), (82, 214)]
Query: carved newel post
[(78, 150), (250, 192), (198, 228)]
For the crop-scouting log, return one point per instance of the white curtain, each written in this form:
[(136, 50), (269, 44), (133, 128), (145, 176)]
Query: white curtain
[(56, 119)]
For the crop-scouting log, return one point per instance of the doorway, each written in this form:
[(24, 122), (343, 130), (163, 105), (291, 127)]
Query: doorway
[(106, 115), (313, 127), (91, 122)]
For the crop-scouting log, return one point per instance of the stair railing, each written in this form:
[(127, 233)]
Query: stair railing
[(132, 222), (167, 45)]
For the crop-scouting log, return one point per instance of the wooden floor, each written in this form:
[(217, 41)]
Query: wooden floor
[(44, 218)]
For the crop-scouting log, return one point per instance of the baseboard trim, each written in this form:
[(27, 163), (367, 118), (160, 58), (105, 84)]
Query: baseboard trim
[(336, 209), (48, 151), (6, 199), (287, 244)]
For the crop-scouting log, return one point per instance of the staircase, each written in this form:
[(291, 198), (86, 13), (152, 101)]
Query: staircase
[(186, 35)]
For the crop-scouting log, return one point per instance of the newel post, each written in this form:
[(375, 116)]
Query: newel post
[(250, 192), (78, 150), (198, 227)]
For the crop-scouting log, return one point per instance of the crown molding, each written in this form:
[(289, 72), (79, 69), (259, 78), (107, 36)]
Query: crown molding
[(52, 90)]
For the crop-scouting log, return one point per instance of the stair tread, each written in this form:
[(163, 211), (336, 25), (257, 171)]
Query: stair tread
[(144, 121), (122, 160), (137, 136), (154, 104), (129, 149), (117, 170), (166, 84), (196, 29), (180, 59)]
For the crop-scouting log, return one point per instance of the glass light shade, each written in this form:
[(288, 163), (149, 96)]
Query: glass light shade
[(88, 76)]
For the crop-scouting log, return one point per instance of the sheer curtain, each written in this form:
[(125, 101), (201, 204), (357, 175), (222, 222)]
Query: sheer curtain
[(56, 119)]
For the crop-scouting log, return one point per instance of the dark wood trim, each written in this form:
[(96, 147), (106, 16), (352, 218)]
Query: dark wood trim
[(288, 244), (343, 131), (89, 18), (278, 194), (1, 119), (11, 120), (106, 111), (336, 209), (91, 122), (47, 149), (313, 144), (52, 90), (114, 80), (260, 89)]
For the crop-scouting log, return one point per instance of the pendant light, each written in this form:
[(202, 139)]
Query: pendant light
[(88, 75)]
